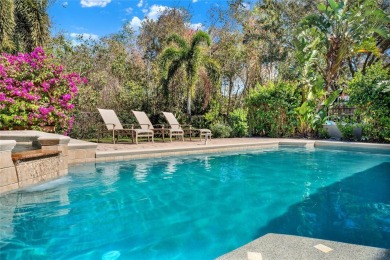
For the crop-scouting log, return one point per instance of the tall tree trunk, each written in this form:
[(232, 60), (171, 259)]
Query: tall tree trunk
[(189, 103), (332, 65), (230, 97)]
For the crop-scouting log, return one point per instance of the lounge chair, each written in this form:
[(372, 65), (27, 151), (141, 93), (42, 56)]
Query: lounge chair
[(174, 124), (114, 125), (144, 122)]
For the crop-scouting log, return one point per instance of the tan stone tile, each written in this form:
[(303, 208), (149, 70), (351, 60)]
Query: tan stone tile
[(8, 176), (254, 256), (71, 155), (9, 187), (5, 159), (323, 248), (80, 154)]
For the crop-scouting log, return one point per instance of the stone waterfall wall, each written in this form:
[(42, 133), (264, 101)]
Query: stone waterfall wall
[(8, 176), (28, 168)]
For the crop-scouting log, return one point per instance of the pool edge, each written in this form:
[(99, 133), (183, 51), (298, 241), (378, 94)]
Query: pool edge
[(280, 246)]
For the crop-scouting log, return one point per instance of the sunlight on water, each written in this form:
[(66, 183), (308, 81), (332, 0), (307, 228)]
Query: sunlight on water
[(49, 185)]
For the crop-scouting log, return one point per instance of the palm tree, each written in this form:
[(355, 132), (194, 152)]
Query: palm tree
[(344, 29), (7, 25), (190, 58), (24, 24)]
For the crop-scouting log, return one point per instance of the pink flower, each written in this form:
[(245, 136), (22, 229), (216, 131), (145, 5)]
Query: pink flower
[(44, 111), (66, 97), (35, 90), (45, 86), (2, 96)]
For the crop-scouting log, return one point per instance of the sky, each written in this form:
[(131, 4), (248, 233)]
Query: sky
[(97, 18)]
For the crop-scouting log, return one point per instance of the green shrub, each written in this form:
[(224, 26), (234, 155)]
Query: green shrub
[(213, 115), (346, 131), (220, 130), (238, 122), (323, 133), (271, 110), (370, 93)]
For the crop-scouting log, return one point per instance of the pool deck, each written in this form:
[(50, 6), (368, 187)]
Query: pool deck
[(127, 151), (277, 246), (106, 148)]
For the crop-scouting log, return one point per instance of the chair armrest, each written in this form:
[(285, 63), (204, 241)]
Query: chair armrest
[(146, 124), (187, 126), (113, 125)]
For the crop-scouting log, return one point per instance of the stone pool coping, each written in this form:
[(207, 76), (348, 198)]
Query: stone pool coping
[(119, 152), (279, 246)]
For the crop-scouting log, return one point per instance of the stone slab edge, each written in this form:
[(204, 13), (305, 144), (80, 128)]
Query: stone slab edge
[(183, 149), (352, 145), (279, 246)]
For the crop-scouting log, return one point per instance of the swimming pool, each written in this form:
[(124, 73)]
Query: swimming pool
[(199, 207)]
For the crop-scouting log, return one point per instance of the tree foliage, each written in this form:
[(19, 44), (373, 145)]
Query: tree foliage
[(188, 58), (341, 30), (271, 67), (24, 25)]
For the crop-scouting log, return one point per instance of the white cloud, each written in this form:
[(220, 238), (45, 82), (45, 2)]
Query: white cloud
[(92, 3), (140, 3), (129, 10), (136, 23), (196, 26), (194, 1), (246, 6), (155, 11), (85, 36), (152, 13)]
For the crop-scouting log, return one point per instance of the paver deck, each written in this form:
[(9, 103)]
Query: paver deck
[(159, 145), (278, 246)]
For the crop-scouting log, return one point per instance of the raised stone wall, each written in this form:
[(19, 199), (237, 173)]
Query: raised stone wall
[(8, 176), (28, 169)]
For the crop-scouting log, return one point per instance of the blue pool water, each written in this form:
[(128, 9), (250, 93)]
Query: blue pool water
[(199, 207)]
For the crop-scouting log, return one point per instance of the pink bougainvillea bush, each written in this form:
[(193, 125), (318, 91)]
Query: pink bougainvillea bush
[(35, 91)]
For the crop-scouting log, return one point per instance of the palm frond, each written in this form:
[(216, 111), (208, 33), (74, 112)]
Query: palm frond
[(7, 25), (178, 40), (199, 37), (167, 57)]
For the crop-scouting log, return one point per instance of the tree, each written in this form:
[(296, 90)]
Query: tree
[(189, 57), (343, 29), (7, 24), (24, 25)]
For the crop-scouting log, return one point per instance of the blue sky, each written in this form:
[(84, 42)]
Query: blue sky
[(97, 18)]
